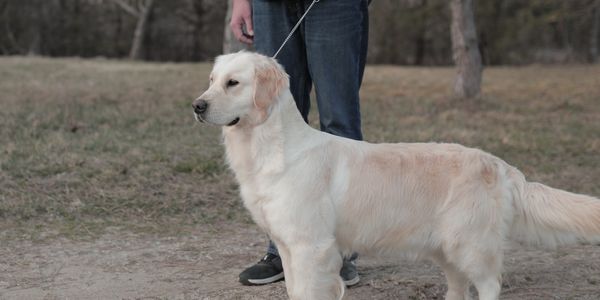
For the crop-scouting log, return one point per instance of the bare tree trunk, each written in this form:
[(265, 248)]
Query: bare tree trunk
[(12, 41), (141, 9), (3, 6), (594, 32), (140, 29), (465, 50), (230, 43), (34, 45), (200, 13), (193, 13)]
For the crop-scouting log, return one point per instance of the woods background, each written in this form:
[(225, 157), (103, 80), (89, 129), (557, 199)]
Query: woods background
[(110, 189), (407, 32)]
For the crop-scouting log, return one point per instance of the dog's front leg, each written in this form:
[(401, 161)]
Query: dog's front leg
[(285, 255), (312, 270)]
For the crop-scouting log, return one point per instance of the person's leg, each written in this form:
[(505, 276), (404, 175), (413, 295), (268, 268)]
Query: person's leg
[(336, 34), (336, 38), (272, 249), (273, 20)]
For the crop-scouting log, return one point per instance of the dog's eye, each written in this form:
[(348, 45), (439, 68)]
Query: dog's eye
[(232, 82)]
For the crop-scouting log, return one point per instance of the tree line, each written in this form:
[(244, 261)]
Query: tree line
[(411, 32), (177, 30)]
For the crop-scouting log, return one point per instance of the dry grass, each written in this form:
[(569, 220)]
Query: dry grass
[(90, 143)]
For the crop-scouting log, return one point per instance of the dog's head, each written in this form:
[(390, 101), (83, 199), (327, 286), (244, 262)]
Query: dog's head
[(243, 87)]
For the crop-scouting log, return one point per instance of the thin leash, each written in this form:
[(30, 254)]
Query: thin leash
[(295, 27)]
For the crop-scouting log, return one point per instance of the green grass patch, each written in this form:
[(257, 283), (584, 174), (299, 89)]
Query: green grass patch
[(87, 144)]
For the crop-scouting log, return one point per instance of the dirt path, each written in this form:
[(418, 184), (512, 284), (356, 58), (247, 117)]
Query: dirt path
[(205, 266)]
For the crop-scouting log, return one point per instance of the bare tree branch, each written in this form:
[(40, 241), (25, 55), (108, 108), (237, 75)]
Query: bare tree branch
[(128, 8), (187, 17)]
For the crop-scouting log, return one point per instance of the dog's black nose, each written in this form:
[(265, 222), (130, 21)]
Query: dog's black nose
[(200, 106)]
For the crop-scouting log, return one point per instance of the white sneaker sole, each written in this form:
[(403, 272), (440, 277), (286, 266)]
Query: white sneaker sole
[(352, 281), (279, 276), (266, 280)]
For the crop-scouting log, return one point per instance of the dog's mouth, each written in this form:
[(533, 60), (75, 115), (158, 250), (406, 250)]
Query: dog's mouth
[(199, 118), (235, 121)]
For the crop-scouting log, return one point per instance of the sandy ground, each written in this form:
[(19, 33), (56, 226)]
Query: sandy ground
[(205, 265)]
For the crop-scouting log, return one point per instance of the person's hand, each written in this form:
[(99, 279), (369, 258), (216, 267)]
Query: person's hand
[(241, 15)]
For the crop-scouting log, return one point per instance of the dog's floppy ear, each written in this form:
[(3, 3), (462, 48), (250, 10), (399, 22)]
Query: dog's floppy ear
[(269, 80)]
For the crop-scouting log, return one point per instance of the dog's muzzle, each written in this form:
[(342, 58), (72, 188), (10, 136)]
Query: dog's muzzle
[(200, 106)]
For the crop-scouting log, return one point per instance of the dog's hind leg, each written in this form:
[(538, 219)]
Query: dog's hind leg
[(484, 269), (458, 283), (488, 287)]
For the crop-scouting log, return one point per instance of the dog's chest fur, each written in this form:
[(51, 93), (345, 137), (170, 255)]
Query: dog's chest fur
[(254, 155)]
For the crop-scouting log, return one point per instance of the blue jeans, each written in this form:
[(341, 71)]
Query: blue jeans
[(328, 51)]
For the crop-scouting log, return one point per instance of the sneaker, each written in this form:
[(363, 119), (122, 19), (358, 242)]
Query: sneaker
[(267, 270), (349, 273)]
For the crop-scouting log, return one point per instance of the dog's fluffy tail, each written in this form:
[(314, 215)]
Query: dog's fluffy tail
[(550, 217)]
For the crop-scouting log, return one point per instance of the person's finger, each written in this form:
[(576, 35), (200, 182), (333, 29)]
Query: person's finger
[(236, 28), (249, 26), (246, 39)]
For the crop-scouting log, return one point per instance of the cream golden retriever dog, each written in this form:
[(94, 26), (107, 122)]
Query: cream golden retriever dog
[(320, 196)]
